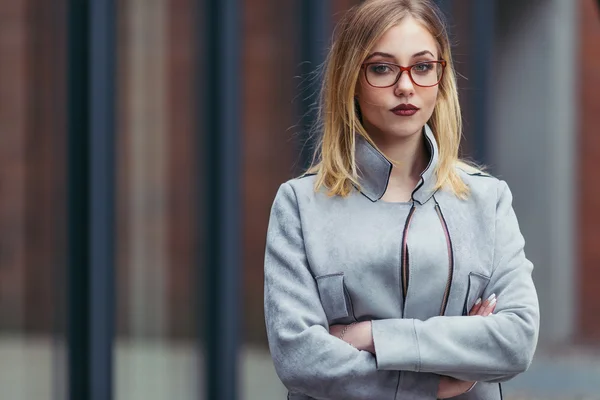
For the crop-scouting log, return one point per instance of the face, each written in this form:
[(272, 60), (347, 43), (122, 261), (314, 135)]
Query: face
[(405, 44)]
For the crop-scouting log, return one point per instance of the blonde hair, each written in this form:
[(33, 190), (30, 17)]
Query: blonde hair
[(356, 34)]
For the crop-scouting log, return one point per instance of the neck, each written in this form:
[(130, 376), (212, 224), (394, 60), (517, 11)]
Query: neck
[(408, 154)]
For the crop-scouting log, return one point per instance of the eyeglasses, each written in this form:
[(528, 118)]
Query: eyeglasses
[(384, 74)]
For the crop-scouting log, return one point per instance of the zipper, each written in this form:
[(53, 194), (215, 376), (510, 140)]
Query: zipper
[(404, 256), (450, 259)]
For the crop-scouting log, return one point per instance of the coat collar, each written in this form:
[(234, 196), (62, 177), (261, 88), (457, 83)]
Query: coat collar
[(374, 170)]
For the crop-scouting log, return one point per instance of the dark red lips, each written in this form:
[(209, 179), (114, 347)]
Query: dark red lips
[(405, 110), (404, 107)]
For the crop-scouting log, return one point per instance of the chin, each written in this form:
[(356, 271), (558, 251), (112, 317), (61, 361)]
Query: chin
[(395, 127), (404, 129)]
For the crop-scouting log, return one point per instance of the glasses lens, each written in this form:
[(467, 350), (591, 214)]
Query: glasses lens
[(426, 73), (382, 75)]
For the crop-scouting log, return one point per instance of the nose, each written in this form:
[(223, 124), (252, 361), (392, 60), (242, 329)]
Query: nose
[(404, 86)]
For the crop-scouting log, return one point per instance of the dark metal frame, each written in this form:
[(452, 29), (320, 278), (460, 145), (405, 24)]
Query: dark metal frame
[(482, 33), (91, 198), (445, 6), (220, 144), (315, 31), (482, 39), (78, 201), (102, 192)]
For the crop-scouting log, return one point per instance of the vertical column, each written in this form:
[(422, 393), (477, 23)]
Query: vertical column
[(102, 196), (145, 188), (561, 175), (588, 164), (91, 198), (142, 196), (532, 145), (482, 32), (446, 6), (78, 201), (471, 31), (220, 146), (314, 36)]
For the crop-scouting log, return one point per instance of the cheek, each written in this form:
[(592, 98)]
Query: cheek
[(370, 97), (429, 98)]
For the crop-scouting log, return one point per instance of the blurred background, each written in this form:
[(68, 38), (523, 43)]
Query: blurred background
[(141, 146)]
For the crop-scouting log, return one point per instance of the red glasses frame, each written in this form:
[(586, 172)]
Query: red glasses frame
[(443, 63)]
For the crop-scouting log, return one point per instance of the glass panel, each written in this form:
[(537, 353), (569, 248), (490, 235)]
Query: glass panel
[(156, 346), (32, 199)]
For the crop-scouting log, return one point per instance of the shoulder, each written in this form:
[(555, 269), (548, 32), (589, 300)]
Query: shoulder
[(300, 187), (295, 189), (302, 184), (483, 186)]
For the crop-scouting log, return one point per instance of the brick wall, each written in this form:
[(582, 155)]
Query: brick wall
[(587, 68), (32, 165), (182, 119), (271, 111)]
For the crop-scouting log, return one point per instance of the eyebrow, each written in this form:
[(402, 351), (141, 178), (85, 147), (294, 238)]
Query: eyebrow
[(387, 55)]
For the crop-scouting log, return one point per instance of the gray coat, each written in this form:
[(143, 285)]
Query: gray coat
[(414, 269)]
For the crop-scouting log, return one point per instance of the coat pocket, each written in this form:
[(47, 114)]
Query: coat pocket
[(477, 284), (334, 296)]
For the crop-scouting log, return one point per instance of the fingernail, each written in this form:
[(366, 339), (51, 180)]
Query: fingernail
[(478, 301), (492, 296), (493, 302)]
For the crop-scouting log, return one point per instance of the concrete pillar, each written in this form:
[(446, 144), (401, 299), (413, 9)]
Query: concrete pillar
[(532, 144)]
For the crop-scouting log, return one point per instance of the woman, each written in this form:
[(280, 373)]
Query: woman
[(378, 259)]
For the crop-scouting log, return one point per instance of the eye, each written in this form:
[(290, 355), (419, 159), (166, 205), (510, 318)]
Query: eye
[(423, 68), (380, 69)]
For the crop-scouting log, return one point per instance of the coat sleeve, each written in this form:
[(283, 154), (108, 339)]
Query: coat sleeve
[(493, 348), (307, 358)]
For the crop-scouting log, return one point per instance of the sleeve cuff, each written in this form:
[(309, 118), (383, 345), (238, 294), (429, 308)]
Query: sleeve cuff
[(396, 345)]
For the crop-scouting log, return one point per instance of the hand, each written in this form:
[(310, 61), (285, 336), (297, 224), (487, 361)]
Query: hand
[(358, 335), (451, 387), (486, 308)]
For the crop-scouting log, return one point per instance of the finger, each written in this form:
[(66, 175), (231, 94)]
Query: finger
[(486, 304), (476, 307), (492, 307)]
